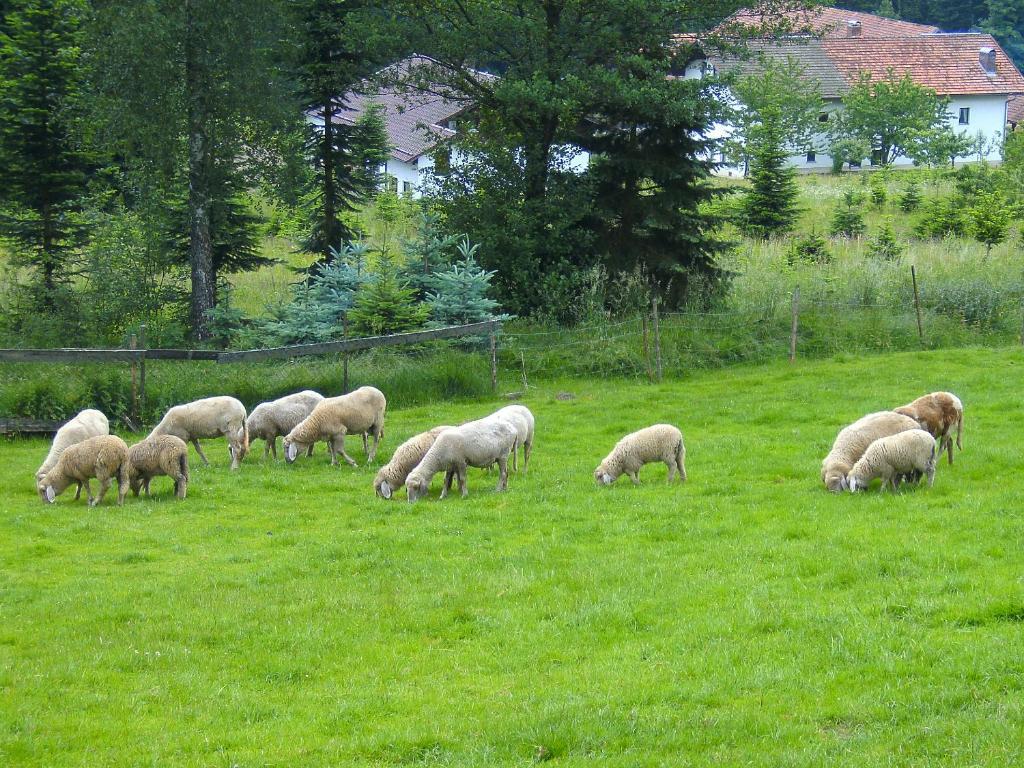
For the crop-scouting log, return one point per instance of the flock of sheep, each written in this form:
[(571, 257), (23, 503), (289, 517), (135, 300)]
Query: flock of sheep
[(893, 445)]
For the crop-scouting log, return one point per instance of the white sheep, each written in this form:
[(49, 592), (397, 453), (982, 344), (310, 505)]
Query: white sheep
[(478, 443), (209, 417), (660, 442), (88, 423), (852, 441), (279, 417), (392, 475), (360, 412), (104, 457), (937, 413), (161, 455), (522, 419), (909, 453)]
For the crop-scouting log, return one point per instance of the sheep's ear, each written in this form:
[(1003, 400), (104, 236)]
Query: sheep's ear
[(606, 478), (850, 485), (231, 451), (50, 494), (385, 490), (290, 452)]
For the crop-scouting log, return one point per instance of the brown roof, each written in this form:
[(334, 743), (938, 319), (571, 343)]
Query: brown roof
[(1015, 110), (946, 63), (832, 22), (808, 53)]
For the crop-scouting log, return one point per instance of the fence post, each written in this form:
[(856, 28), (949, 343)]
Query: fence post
[(647, 348), (134, 415), (142, 373), (796, 317), (657, 336), (917, 304), (344, 335), (494, 362)]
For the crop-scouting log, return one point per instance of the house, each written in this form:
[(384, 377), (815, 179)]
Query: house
[(834, 47)]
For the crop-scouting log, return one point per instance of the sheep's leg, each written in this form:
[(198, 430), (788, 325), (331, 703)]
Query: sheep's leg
[(180, 486), (199, 450), (503, 473), (309, 451), (930, 473), (461, 470), (448, 477), (515, 456), (104, 485), (78, 492), (340, 448), (671, 464), (949, 446), (146, 483), (527, 448), (366, 450), (268, 446), (376, 441), (633, 476), (330, 450)]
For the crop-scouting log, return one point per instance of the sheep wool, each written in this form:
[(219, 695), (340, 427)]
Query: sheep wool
[(520, 417), (268, 421), (392, 475), (88, 423), (479, 443), (209, 417), (104, 457), (892, 457), (660, 442), (937, 413), (852, 441), (360, 412), (161, 455)]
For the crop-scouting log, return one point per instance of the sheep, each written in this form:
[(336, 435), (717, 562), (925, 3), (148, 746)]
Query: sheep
[(88, 423), (279, 417), (160, 455), (522, 419), (392, 475), (892, 458), (852, 441), (209, 417), (936, 414), (358, 412), (104, 457), (659, 442), (473, 444)]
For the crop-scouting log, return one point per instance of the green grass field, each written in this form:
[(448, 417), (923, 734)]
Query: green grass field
[(283, 616)]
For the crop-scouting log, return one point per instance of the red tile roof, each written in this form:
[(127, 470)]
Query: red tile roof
[(833, 22), (946, 63)]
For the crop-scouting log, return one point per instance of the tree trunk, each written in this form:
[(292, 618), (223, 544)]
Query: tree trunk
[(200, 163), (330, 222)]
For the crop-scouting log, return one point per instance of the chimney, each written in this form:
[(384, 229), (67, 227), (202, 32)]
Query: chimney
[(853, 28), (987, 59)]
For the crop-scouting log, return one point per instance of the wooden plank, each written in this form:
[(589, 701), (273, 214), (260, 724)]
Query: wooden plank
[(182, 354), (17, 425), (70, 355), (353, 345)]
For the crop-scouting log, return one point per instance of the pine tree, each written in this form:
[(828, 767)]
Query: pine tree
[(43, 170), (910, 200), (385, 305), (886, 10), (989, 220), (770, 206), (879, 191), (460, 295), (426, 254), (885, 246), (848, 221)]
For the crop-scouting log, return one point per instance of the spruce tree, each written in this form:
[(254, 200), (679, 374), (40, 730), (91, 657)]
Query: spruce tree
[(460, 295), (910, 200), (885, 246), (43, 169), (989, 220), (848, 221), (426, 254), (769, 207), (385, 305)]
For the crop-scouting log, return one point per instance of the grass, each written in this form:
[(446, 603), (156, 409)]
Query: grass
[(283, 616)]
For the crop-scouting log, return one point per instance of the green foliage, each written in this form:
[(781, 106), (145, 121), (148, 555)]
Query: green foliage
[(460, 292), (886, 10), (910, 200), (426, 254), (941, 145), (1013, 150), (879, 189), (1005, 22), (989, 219), (810, 248), (848, 220), (385, 305), (942, 217), (884, 245), (848, 150), (770, 206)]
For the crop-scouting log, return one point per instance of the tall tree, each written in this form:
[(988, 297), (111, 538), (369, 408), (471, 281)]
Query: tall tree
[(43, 167), (769, 207), (1005, 22), (186, 84)]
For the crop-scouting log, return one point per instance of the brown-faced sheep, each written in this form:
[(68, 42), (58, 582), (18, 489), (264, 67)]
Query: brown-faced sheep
[(937, 413), (104, 457)]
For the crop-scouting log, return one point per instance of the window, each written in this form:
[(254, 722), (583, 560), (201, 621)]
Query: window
[(877, 158), (823, 117), (811, 157), (965, 115), (392, 183), (406, 187)]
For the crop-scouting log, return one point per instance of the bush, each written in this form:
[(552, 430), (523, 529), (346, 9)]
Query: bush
[(910, 200), (941, 218), (848, 221), (885, 246), (811, 248), (879, 191)]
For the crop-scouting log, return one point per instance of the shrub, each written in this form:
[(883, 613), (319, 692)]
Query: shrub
[(879, 191), (910, 200), (885, 246), (940, 218), (811, 248), (848, 221)]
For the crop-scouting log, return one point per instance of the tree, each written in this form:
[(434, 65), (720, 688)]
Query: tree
[(43, 166), (460, 295), (385, 305), (989, 220), (886, 10), (893, 115), (769, 207), (848, 221), (1005, 22), (941, 145), (910, 200), (885, 246)]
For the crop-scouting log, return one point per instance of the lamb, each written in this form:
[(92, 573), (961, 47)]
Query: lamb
[(104, 457), (522, 419), (891, 458), (852, 441), (209, 417), (392, 475), (279, 417), (936, 414), (473, 444), (160, 455), (88, 423), (660, 442), (358, 412)]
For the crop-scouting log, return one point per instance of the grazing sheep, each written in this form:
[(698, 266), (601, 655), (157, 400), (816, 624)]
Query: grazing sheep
[(938, 413), (894, 457), (104, 457), (660, 442), (88, 423), (392, 475), (209, 417), (473, 444), (358, 412), (522, 419), (279, 417), (852, 441), (160, 455)]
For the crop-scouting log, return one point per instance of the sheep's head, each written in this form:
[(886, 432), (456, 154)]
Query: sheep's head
[(292, 450), (602, 476), (383, 489), (416, 487), (853, 484), (46, 492), (836, 481)]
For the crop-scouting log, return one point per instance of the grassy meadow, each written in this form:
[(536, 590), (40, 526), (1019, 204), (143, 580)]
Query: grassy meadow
[(283, 616)]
